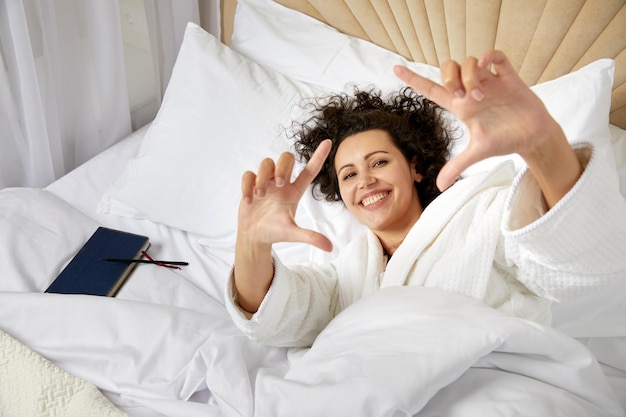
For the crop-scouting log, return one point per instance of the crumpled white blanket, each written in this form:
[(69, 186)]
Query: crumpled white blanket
[(403, 351), (400, 351), (32, 386)]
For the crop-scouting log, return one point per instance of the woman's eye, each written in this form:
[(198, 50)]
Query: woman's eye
[(380, 163), (348, 176)]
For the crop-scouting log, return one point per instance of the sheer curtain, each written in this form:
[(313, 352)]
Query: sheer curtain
[(76, 76)]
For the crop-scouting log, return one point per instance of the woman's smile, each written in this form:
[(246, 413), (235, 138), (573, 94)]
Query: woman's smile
[(371, 199)]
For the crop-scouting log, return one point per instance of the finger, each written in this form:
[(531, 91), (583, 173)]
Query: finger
[(313, 238), (424, 86), (314, 165), (451, 78), (455, 167), (284, 168), (247, 186), (473, 76), (498, 60), (264, 175)]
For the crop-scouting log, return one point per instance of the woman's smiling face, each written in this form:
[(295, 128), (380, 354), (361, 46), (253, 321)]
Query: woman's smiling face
[(377, 184)]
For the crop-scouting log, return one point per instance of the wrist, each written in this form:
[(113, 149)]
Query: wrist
[(554, 164), (253, 271)]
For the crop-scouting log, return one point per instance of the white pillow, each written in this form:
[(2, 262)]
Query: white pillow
[(309, 50), (36, 222), (221, 115)]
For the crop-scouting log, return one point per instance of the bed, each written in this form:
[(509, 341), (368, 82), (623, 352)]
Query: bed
[(165, 345)]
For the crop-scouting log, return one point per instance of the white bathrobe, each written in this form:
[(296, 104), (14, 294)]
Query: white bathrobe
[(488, 237)]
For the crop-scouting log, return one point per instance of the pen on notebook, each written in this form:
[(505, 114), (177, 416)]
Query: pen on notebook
[(145, 261)]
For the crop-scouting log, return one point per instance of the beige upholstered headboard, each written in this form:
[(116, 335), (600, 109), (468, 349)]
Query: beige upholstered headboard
[(544, 39)]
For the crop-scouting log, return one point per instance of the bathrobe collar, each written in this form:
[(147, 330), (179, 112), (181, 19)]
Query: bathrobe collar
[(434, 218)]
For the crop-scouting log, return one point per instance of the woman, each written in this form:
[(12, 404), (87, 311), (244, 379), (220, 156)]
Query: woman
[(454, 241)]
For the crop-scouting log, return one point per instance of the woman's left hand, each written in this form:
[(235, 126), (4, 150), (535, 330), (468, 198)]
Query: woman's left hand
[(502, 114)]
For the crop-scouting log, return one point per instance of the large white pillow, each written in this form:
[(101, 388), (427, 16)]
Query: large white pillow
[(309, 50), (221, 115), (38, 226)]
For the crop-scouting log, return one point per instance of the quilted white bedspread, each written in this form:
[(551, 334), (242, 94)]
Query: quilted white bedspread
[(32, 386)]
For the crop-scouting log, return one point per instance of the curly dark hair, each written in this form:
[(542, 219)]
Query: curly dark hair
[(416, 125)]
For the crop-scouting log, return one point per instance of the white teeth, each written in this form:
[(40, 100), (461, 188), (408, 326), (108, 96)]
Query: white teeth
[(371, 200)]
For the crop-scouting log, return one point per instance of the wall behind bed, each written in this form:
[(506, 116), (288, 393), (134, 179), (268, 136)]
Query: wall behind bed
[(76, 76), (139, 25), (543, 38)]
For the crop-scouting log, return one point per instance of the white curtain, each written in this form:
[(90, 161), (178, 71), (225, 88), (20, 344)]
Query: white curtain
[(76, 76)]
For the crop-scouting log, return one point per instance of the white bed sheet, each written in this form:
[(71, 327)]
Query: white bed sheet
[(80, 335), (165, 346), (83, 188)]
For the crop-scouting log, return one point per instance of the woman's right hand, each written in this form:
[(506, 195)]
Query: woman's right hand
[(269, 201), (267, 216)]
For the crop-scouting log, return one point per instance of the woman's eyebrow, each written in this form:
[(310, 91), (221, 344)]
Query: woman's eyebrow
[(365, 158)]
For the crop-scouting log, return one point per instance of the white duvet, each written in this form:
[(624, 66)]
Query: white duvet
[(392, 352), (164, 347)]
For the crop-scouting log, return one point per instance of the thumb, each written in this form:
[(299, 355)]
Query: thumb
[(455, 167), (311, 237)]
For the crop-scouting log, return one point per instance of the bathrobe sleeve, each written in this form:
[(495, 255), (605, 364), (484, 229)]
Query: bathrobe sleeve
[(578, 244), (302, 299)]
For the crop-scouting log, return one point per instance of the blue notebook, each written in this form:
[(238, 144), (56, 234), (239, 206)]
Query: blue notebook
[(88, 273)]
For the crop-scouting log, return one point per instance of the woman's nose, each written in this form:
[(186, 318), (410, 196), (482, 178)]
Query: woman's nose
[(366, 180)]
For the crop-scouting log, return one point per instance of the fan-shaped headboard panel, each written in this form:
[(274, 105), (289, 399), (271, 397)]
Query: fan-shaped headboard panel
[(544, 39)]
